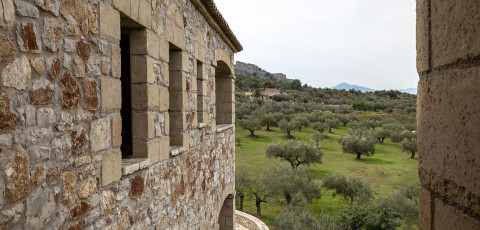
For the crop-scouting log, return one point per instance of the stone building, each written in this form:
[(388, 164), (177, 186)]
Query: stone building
[(448, 114), (116, 114)]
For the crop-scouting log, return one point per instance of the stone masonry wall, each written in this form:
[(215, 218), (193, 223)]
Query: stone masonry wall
[(448, 62), (60, 124)]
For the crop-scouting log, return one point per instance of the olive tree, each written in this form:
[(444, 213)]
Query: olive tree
[(332, 123), (251, 124), (295, 152), (288, 126), (359, 142), (349, 188), (302, 122), (317, 137), (269, 120), (410, 145), (242, 181), (286, 181), (258, 189), (381, 135), (319, 126)]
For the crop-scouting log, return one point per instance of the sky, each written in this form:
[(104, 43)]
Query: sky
[(326, 42)]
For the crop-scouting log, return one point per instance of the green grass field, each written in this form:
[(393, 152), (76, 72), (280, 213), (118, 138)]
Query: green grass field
[(386, 169)]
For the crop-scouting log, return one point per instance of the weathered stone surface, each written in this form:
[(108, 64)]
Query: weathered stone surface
[(26, 9), (82, 161), (87, 188), (425, 209), (83, 50), (447, 217), (79, 141), (17, 74), (53, 66), (18, 176), (71, 93), (45, 116), (92, 20), (41, 96), (69, 191), (8, 120), (447, 135), (75, 11), (7, 14), (40, 208), (111, 93), (454, 31), (116, 61), (116, 131), (136, 187), (39, 174), (107, 201), (28, 37), (7, 48), (79, 210), (52, 34), (111, 166), (50, 5), (91, 96), (38, 65), (79, 67), (100, 134), (109, 23)]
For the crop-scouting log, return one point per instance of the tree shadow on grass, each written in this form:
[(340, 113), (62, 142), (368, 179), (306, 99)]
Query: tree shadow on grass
[(374, 161)]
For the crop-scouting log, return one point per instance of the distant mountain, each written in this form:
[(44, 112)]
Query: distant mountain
[(409, 90), (347, 86)]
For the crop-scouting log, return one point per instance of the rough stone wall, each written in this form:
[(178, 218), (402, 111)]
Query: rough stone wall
[(448, 62), (60, 125)]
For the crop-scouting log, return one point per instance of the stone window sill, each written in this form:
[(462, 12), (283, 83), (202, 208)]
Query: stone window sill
[(202, 125), (132, 165), (176, 150), (223, 127)]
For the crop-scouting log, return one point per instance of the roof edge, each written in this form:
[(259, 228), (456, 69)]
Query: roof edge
[(216, 20)]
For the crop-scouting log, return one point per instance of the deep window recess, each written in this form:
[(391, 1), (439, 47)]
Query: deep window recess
[(200, 96), (175, 89), (126, 111)]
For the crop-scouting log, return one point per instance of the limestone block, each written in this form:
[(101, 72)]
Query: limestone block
[(179, 101), (425, 209), (116, 131), (107, 201), (71, 95), (87, 188), (146, 97), (100, 134), (448, 217), (82, 161), (28, 37), (178, 81), (91, 96), (111, 166), (111, 94), (180, 139), (177, 121), (116, 61), (146, 43), (164, 48), (143, 127), (447, 154), (52, 6), (155, 150), (17, 74), (7, 14), (122, 6), (145, 17), (7, 47), (142, 69), (164, 99), (454, 35), (53, 66), (422, 35), (134, 11), (109, 23)]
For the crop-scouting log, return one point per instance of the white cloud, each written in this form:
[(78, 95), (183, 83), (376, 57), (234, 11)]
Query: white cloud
[(326, 42)]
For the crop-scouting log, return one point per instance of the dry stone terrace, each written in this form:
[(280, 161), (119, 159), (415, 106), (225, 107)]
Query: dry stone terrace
[(110, 117)]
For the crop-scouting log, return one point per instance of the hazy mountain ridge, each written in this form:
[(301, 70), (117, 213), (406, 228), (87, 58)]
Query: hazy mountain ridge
[(346, 86)]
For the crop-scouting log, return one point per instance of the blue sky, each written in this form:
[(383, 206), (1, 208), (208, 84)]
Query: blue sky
[(327, 42)]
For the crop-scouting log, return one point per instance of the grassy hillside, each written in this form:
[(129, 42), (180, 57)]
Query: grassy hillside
[(388, 168)]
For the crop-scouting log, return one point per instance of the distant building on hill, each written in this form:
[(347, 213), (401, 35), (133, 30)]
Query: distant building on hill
[(268, 93)]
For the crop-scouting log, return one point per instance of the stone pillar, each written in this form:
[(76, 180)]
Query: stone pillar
[(448, 114), (226, 219)]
